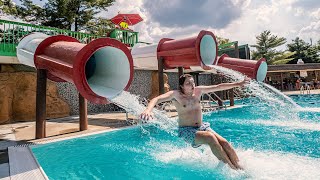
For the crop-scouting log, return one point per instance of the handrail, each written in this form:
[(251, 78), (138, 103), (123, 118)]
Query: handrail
[(227, 45), (213, 100), (125, 36), (302, 90), (308, 89), (12, 32), (219, 99), (237, 95)]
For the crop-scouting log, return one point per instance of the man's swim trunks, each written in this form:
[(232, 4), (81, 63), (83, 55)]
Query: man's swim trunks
[(188, 133)]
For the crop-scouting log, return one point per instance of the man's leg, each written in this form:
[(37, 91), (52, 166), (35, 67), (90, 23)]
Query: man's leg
[(207, 137), (228, 149)]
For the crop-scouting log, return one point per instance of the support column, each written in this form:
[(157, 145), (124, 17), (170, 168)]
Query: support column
[(197, 79), (41, 103), (83, 113), (231, 96), (160, 75), (281, 76), (180, 71), (236, 49), (220, 103)]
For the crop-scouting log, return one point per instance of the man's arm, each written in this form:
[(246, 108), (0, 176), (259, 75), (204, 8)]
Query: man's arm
[(147, 113), (221, 87)]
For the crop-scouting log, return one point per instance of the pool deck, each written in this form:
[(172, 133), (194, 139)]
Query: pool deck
[(313, 91)]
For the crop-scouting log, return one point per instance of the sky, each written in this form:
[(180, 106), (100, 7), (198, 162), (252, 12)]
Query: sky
[(237, 20)]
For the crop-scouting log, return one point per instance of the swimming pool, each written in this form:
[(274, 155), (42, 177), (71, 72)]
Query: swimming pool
[(269, 147), (311, 100)]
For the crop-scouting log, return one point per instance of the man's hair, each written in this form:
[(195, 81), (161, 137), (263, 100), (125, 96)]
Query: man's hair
[(182, 79)]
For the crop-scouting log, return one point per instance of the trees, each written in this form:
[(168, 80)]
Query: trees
[(7, 7), (62, 13), (305, 51), (283, 58), (222, 40), (266, 44), (30, 12), (99, 26)]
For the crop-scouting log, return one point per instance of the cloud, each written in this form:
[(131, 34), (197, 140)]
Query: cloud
[(284, 18), (310, 31), (307, 4), (237, 20), (315, 14), (183, 13)]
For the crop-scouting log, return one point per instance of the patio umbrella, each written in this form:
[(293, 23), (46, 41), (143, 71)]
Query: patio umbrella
[(131, 19)]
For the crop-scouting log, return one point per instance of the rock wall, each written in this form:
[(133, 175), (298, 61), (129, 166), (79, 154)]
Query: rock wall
[(18, 97)]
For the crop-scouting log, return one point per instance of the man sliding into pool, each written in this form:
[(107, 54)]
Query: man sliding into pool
[(191, 128)]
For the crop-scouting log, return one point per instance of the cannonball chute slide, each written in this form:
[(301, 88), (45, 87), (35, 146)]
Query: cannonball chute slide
[(196, 53), (100, 70)]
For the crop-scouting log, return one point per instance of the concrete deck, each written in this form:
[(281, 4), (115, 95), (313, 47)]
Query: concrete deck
[(313, 91)]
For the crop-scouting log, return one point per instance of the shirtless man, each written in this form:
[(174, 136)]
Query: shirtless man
[(191, 128)]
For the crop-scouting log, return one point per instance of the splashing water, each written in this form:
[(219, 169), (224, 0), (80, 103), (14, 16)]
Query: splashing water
[(276, 101), (282, 95), (131, 104), (264, 94)]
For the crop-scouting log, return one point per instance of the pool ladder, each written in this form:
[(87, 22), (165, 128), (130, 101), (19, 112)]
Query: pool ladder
[(208, 105), (305, 88)]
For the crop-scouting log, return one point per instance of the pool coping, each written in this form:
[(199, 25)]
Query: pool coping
[(25, 149)]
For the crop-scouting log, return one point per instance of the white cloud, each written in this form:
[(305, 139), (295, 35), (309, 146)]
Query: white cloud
[(315, 14), (285, 18), (311, 31), (299, 12)]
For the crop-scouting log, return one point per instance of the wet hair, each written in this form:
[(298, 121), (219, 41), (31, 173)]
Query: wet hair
[(182, 79)]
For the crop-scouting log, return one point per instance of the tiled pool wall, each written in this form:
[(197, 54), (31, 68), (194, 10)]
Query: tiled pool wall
[(141, 85)]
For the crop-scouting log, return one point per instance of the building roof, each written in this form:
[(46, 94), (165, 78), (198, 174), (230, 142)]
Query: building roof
[(294, 67)]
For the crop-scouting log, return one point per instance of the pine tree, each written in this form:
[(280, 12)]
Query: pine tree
[(266, 44), (304, 51)]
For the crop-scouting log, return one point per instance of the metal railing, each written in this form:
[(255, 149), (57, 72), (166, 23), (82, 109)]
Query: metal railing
[(125, 36), (307, 88), (210, 102), (12, 32), (237, 94)]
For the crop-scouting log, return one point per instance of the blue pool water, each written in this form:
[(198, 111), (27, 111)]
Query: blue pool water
[(269, 147), (312, 100)]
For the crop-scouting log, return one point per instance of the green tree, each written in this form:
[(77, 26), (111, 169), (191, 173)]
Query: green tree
[(30, 12), (62, 13), (266, 44), (222, 40), (304, 51), (7, 7), (318, 46), (99, 26), (283, 58)]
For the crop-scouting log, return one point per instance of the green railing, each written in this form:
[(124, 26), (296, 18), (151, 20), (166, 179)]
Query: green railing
[(125, 36), (227, 45), (12, 32)]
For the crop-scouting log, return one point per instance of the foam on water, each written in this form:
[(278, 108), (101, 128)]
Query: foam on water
[(293, 125), (309, 109), (257, 164)]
